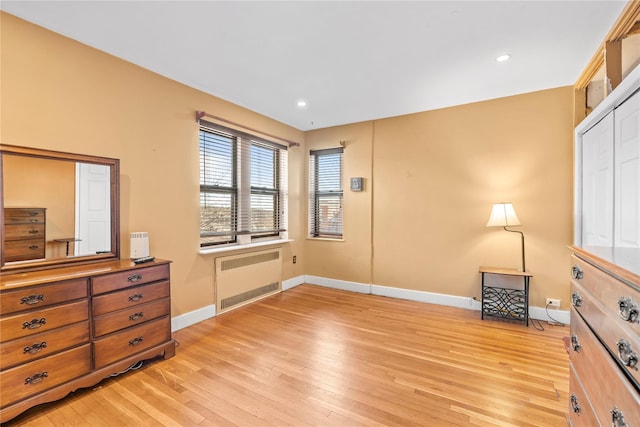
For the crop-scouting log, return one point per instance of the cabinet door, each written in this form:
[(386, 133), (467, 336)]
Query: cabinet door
[(597, 184), (627, 174)]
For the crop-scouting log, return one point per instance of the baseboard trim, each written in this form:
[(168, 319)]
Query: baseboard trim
[(426, 297), (193, 317), (292, 283), (338, 284)]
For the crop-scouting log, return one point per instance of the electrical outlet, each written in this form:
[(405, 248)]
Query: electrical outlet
[(295, 259), (553, 303)]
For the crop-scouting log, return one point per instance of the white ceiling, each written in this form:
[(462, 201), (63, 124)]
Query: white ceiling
[(350, 60)]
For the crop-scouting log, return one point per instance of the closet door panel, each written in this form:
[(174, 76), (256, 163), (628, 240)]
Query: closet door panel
[(627, 174), (597, 184)]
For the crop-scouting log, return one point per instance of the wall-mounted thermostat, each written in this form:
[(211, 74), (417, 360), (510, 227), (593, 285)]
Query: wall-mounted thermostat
[(357, 184)]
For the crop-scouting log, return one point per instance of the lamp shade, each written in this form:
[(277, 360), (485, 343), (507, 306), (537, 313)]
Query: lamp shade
[(503, 215)]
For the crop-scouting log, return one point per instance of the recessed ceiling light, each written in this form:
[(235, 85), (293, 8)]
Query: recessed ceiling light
[(503, 58), (302, 103)]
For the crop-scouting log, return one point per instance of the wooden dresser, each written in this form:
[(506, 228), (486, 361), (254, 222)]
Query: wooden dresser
[(24, 234), (605, 337), (71, 327)]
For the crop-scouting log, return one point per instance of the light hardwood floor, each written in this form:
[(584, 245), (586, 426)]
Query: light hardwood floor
[(323, 357)]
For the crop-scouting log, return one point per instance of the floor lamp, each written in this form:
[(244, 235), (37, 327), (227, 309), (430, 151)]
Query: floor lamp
[(503, 215)]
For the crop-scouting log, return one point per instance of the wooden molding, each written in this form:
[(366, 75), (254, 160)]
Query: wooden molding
[(625, 25)]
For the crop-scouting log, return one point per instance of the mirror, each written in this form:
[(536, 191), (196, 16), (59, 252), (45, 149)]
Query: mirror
[(57, 209)]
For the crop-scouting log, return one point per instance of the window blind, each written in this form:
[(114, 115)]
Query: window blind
[(326, 193)]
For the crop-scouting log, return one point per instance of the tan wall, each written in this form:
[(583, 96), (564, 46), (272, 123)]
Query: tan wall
[(61, 95), (430, 178), (350, 258), (434, 178)]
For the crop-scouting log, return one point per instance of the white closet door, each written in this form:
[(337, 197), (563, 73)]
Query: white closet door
[(597, 184), (627, 174)]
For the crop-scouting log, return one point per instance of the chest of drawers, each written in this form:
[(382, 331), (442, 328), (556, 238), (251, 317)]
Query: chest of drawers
[(24, 234), (69, 328), (605, 343)]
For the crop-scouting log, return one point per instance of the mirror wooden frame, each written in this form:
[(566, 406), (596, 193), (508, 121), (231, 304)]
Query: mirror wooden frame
[(42, 264)]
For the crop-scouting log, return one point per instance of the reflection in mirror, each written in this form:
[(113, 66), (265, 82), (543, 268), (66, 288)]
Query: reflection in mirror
[(57, 208)]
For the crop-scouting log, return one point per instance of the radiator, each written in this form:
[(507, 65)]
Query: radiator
[(241, 279)]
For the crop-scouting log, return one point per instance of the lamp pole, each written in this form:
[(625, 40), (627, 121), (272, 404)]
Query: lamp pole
[(522, 242)]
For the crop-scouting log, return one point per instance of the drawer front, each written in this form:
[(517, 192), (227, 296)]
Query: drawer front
[(610, 390), (26, 349), (24, 231), (24, 216), (20, 250), (125, 279), (34, 322), (131, 341), (129, 298), (620, 300), (130, 316), (42, 296), (37, 376), (613, 331), (580, 411)]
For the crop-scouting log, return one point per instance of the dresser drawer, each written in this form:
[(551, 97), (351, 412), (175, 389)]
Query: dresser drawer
[(31, 323), (119, 345), (21, 250), (619, 300), (125, 279), (580, 410), (37, 346), (613, 331), (42, 374), (24, 231), (24, 216), (130, 297), (41, 296), (130, 316), (601, 377)]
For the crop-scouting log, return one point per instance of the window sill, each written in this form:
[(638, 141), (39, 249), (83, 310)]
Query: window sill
[(237, 247), (324, 239)]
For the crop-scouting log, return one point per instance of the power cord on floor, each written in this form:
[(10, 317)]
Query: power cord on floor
[(538, 324)]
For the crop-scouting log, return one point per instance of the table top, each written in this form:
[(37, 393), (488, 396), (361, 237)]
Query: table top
[(505, 271)]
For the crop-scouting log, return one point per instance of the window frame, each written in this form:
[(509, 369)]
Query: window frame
[(241, 230), (316, 194)]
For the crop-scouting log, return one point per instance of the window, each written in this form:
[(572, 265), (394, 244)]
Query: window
[(325, 190), (242, 187)]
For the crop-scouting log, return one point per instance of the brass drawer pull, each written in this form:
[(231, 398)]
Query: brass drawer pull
[(34, 324), (32, 213), (617, 418), (134, 277), (575, 344), (576, 299), (35, 348), (575, 406), (33, 231), (34, 247), (136, 297), (136, 316), (628, 309), (135, 341), (32, 299), (576, 272), (626, 354), (36, 378)]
